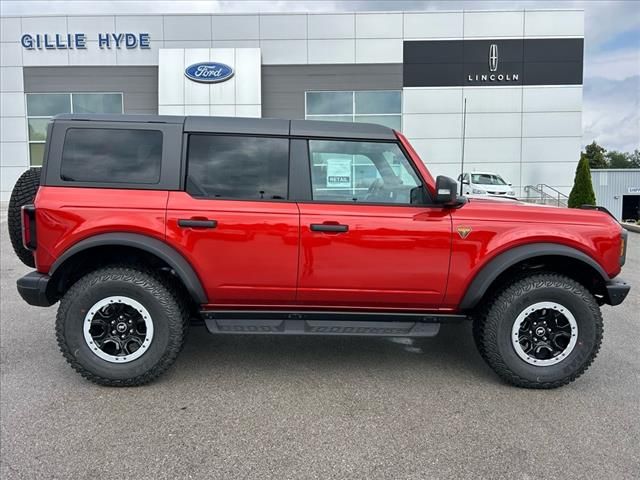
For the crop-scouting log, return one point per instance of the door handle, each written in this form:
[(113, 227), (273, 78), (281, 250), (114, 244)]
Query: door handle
[(329, 227), (194, 223)]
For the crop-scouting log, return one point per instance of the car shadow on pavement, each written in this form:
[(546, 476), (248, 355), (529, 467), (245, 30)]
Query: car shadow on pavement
[(452, 351)]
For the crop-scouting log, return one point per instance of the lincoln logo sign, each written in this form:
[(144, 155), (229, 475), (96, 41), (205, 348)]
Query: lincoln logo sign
[(493, 76), (208, 72), (493, 57)]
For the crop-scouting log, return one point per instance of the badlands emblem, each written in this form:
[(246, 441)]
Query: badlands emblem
[(464, 231)]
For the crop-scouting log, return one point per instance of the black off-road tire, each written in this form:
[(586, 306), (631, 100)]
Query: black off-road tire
[(492, 330), (23, 193), (167, 309)]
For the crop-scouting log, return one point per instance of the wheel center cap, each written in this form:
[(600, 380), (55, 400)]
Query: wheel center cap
[(540, 331), (121, 327)]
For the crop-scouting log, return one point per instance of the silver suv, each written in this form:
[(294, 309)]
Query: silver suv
[(485, 183)]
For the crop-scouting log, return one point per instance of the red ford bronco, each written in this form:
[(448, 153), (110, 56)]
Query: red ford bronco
[(140, 224)]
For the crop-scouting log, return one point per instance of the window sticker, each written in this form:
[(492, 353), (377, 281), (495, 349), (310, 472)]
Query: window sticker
[(338, 172)]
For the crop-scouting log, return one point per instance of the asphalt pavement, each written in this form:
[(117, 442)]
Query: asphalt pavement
[(303, 407)]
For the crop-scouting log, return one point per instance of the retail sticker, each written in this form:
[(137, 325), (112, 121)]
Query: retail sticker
[(338, 172)]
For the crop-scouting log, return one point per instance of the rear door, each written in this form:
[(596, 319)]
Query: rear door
[(234, 222), (368, 238)]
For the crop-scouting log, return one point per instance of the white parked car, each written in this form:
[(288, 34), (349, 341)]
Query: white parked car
[(485, 183)]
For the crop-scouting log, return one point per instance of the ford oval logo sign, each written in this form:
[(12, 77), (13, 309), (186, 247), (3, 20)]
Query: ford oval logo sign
[(209, 72)]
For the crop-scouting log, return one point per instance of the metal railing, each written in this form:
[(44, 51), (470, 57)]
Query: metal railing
[(545, 195)]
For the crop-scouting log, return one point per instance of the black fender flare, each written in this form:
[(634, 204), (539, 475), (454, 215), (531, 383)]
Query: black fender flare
[(489, 272), (156, 247)]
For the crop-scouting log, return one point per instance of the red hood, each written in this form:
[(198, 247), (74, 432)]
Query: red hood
[(504, 209)]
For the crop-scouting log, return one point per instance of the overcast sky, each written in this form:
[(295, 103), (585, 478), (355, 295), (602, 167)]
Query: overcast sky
[(611, 113)]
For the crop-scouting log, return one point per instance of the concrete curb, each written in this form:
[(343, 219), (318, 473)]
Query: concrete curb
[(631, 227)]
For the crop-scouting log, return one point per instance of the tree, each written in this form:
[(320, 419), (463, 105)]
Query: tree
[(618, 159), (599, 157), (582, 191), (594, 154)]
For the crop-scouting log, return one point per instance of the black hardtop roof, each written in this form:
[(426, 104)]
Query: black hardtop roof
[(112, 117), (250, 126)]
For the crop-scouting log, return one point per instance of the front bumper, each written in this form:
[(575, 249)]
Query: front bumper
[(33, 289), (617, 291)]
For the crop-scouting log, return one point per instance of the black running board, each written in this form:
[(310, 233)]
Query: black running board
[(325, 323)]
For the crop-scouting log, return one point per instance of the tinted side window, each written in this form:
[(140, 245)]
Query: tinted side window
[(350, 171), (248, 168), (111, 155)]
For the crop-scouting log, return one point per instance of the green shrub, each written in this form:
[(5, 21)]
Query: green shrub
[(582, 191)]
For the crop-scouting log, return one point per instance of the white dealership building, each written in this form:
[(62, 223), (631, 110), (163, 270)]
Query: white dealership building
[(520, 73)]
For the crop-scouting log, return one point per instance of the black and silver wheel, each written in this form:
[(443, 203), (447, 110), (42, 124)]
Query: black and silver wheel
[(544, 334), (118, 329), (541, 332), (121, 326)]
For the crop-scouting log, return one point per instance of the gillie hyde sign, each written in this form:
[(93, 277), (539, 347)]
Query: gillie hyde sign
[(78, 41)]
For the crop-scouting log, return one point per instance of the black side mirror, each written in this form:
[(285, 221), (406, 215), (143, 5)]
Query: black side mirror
[(446, 191)]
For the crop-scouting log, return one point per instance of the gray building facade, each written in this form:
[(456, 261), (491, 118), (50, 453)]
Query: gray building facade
[(519, 71), (618, 190)]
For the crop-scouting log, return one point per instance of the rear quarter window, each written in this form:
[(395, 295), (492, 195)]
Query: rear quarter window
[(109, 155)]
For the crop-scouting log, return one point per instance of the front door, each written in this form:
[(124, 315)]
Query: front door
[(234, 224), (368, 240)]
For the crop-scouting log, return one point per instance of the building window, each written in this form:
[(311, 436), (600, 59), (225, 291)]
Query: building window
[(376, 106), (42, 106)]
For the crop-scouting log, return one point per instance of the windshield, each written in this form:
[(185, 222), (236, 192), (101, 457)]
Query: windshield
[(487, 179)]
